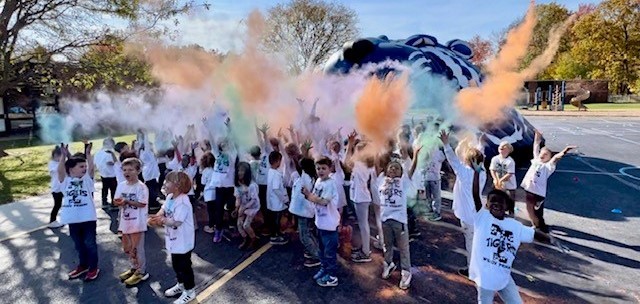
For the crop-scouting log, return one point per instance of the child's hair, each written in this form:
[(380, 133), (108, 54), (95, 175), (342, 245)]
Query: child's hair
[(394, 162), (127, 154), (255, 152), (508, 145), (383, 161), (501, 194), (207, 160), (473, 155), (545, 149), (274, 157), (324, 161), (246, 179), (307, 166), (56, 152), (170, 153), (73, 161), (181, 180), (134, 162), (80, 155), (274, 141), (291, 149), (120, 146)]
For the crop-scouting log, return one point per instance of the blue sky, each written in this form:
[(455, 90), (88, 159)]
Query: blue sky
[(445, 19)]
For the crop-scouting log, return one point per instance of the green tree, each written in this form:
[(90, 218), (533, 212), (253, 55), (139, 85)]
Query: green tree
[(548, 16), (307, 32)]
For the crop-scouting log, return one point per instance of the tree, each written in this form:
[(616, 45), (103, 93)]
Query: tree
[(482, 50), (306, 32), (548, 16), (609, 39)]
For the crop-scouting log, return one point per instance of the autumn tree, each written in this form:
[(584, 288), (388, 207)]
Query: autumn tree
[(482, 50), (307, 32)]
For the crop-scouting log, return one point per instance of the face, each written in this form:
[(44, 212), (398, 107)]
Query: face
[(241, 172), (323, 171), (224, 144), (504, 150), (79, 170), (130, 173), (394, 170), (57, 157), (170, 187), (497, 206), (276, 164), (545, 155), (335, 147)]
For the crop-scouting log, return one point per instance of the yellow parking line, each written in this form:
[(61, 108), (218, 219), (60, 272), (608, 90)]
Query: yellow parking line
[(207, 292)]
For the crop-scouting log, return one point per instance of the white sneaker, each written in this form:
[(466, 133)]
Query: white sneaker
[(186, 297), (208, 229), (174, 291), (55, 224), (387, 269), (405, 281)]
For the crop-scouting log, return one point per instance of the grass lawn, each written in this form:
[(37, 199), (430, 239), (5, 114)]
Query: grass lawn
[(24, 172), (606, 107)]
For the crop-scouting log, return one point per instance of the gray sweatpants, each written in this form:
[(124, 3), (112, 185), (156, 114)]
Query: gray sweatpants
[(396, 233), (362, 213), (433, 192)]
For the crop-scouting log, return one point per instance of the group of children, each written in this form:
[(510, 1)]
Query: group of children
[(285, 176)]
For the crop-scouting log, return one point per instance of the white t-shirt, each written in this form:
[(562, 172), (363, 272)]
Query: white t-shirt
[(393, 198), (249, 200), (179, 239), (535, 181), (299, 205), (327, 217), (77, 204), (464, 207), (275, 185), (101, 160), (262, 171), (224, 169), (150, 169), (133, 219), (119, 174), (209, 192), (495, 243), (191, 171), (433, 166), (338, 178), (174, 165), (502, 166), (361, 178), (53, 171)]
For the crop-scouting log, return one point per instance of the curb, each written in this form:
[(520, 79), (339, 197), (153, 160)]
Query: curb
[(545, 113)]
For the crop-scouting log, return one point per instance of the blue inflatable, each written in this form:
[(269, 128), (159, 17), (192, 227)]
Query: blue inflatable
[(450, 60)]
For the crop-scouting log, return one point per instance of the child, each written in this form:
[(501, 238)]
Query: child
[(132, 197), (393, 206), (209, 194), (503, 172), (223, 176), (535, 181), (432, 180), (362, 176), (176, 215), (78, 209), (120, 148), (463, 206), (304, 211), (150, 172), (105, 161), (277, 199), (325, 197), (56, 191), (247, 204)]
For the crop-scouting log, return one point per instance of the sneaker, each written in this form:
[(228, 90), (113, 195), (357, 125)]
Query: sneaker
[(311, 263), (361, 257), (120, 234), (327, 281), (464, 272), (538, 205), (319, 274), (92, 275), (186, 297), (217, 236), (435, 217), (278, 240), (76, 273), (387, 269), (55, 225), (245, 244), (307, 255), (405, 281), (415, 233), (127, 274), (136, 278), (208, 229), (174, 291), (378, 245)]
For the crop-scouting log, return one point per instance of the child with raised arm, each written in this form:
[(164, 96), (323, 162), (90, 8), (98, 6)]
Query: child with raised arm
[(150, 171), (247, 204), (75, 175), (277, 199), (432, 182), (535, 180), (325, 198), (261, 162), (209, 194), (503, 173), (463, 204), (56, 191), (304, 210), (176, 215), (393, 194), (105, 161), (226, 155), (132, 197)]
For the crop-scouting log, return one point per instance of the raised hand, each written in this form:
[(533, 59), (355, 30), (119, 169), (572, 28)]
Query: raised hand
[(307, 145), (290, 128), (352, 136), (64, 149), (444, 137)]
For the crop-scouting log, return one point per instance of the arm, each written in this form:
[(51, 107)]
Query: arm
[(476, 190), (308, 195), (90, 166), (414, 161), (294, 135), (62, 172), (536, 143), (562, 153), (451, 156)]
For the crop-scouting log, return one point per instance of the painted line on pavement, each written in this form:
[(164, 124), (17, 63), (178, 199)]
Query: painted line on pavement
[(207, 292), (19, 234), (623, 171), (632, 185)]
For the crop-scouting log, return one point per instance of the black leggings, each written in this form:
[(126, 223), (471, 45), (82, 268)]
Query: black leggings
[(182, 266), (272, 220), (57, 203), (223, 196)]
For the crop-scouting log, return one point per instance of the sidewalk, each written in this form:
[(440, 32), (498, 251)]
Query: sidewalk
[(588, 113)]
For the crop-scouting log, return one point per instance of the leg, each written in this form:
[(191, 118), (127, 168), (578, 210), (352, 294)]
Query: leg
[(485, 296), (269, 222), (401, 237), (330, 244), (218, 216), (468, 240), (105, 191), (350, 207), (141, 256), (262, 195), (76, 233), (176, 263), (322, 250), (189, 279), (510, 294), (240, 224), (376, 211), (387, 229), (90, 244), (531, 204), (277, 217), (436, 192), (540, 215), (362, 213), (211, 213), (154, 189), (307, 239), (57, 203), (246, 225), (113, 184), (511, 208)]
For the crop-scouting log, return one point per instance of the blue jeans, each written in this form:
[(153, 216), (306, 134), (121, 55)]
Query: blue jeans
[(84, 237), (509, 294), (307, 238), (329, 251)]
